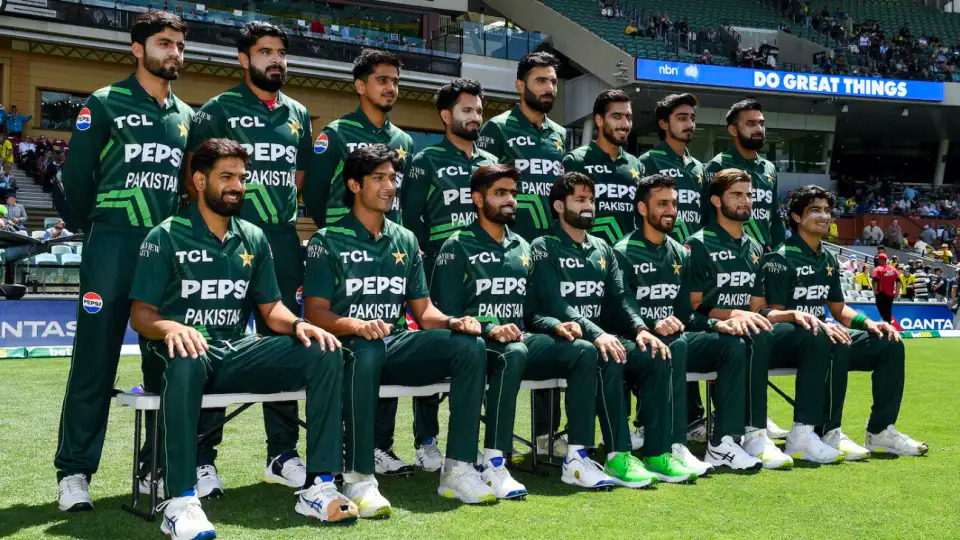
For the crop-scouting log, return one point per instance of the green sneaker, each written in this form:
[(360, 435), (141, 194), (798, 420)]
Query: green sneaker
[(670, 469), (628, 471)]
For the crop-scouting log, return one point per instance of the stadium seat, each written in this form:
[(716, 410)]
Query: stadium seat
[(61, 250), (78, 250), (36, 235), (47, 271), (49, 222), (71, 274)]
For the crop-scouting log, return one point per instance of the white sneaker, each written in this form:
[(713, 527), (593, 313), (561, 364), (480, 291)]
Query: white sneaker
[(322, 501), (208, 482), (698, 433), (184, 519), (803, 443), (852, 451), (293, 473), (463, 483), (388, 464), (681, 452), (428, 456), (73, 493), (774, 431), (496, 475), (757, 444), (636, 438), (366, 495), (144, 486), (891, 441), (584, 472), (730, 454), (559, 445)]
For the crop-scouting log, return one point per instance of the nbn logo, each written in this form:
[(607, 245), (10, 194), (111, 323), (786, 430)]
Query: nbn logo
[(669, 70)]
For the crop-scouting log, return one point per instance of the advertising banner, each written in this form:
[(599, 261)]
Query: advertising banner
[(42, 323), (912, 317)]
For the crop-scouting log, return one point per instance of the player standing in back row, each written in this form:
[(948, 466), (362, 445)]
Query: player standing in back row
[(122, 179), (275, 131), (376, 79), (525, 138), (615, 171)]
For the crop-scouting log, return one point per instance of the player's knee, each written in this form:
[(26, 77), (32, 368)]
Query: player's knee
[(184, 371), (514, 358), (322, 362), (366, 358), (586, 352)]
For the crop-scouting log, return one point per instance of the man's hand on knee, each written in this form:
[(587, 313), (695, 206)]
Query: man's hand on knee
[(185, 340)]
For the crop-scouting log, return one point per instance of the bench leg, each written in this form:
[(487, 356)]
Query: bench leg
[(135, 489), (286, 415), (785, 397), (134, 506), (709, 411), (206, 435)]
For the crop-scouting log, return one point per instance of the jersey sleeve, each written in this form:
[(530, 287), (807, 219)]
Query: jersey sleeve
[(708, 214), (208, 123), (571, 163), (79, 172), (833, 281), (326, 161), (546, 273), (491, 139), (447, 283), (413, 197), (778, 231), (775, 280), (417, 277), (305, 148), (263, 283), (626, 303), (154, 268), (699, 276), (322, 272)]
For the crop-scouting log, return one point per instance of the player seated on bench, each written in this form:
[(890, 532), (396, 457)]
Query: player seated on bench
[(485, 271), (802, 275), (360, 273), (199, 275)]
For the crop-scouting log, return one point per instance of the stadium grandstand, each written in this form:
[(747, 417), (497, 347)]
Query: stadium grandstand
[(579, 195)]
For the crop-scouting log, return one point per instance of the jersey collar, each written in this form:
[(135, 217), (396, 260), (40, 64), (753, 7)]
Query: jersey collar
[(594, 147), (351, 222), (509, 237), (566, 240), (133, 85), (248, 95), (517, 114), (797, 242), (723, 235), (367, 124), (448, 145), (670, 153), (200, 226), (737, 156)]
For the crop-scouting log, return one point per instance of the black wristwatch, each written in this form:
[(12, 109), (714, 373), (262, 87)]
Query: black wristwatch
[(297, 323)]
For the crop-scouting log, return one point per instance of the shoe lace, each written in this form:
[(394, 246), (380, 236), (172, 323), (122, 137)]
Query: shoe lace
[(432, 450), (471, 477), (206, 470), (74, 484), (295, 463)]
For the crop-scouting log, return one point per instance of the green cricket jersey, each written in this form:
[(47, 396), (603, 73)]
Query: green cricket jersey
[(365, 277), (197, 280), (723, 268), (436, 193), (125, 157), (279, 143), (616, 188), (688, 173), (575, 280), (537, 154), (323, 192), (800, 278), (652, 273), (491, 281), (765, 227)]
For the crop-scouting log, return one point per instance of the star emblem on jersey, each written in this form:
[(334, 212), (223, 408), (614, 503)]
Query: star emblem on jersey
[(294, 127), (183, 129), (829, 270), (559, 144), (402, 153), (398, 256), (525, 260), (756, 258), (247, 258), (699, 179), (603, 263), (635, 173), (676, 268)]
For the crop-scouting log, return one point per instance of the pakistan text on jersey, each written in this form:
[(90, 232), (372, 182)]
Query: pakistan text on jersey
[(741, 300), (656, 313), (272, 178), (369, 312), (152, 180), (589, 311), (212, 317), (817, 311), (501, 311)]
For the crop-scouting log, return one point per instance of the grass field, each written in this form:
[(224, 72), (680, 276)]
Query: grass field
[(882, 498)]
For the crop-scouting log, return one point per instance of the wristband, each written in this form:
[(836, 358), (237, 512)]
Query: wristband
[(712, 323), (447, 323), (765, 311), (704, 309), (297, 323), (640, 328), (857, 323)]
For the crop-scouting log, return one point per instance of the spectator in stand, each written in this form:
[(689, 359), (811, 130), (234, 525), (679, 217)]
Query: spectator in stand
[(16, 214), (15, 122), (6, 151), (631, 30), (922, 274), (894, 234), (908, 284), (876, 258), (8, 183), (938, 285), (872, 235), (944, 253), (886, 281), (57, 231), (928, 235), (862, 280)]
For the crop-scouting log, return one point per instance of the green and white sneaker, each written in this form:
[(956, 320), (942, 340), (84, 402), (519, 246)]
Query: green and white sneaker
[(628, 471), (851, 451), (670, 469)]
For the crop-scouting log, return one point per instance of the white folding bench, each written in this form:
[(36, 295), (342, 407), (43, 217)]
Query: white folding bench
[(144, 402)]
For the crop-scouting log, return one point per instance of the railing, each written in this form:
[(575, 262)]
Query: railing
[(220, 31), (464, 37)]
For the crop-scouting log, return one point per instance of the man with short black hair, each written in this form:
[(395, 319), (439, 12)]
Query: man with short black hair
[(436, 204), (376, 80), (125, 189), (361, 274), (275, 130), (200, 274), (614, 170)]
